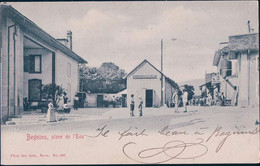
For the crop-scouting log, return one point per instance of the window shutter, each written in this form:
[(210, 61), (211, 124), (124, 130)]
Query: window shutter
[(31, 64), (26, 64)]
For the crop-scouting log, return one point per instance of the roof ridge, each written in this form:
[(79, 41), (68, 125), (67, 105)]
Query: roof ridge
[(16, 12)]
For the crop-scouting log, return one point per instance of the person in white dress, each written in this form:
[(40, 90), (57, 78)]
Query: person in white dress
[(51, 117), (175, 99)]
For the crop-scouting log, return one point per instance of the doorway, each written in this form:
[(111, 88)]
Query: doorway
[(149, 98), (99, 101), (35, 90)]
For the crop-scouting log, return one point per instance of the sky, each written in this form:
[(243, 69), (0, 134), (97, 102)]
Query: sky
[(126, 33)]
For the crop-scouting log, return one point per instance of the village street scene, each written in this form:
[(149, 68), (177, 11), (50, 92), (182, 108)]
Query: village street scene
[(96, 66)]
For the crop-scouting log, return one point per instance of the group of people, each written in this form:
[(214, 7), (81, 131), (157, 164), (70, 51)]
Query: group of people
[(75, 103), (51, 116), (176, 101), (140, 106), (210, 100)]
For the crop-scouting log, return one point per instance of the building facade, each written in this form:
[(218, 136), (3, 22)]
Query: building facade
[(238, 69), (152, 85), (30, 58)]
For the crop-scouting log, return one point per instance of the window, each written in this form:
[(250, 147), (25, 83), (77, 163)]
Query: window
[(69, 69), (35, 64), (234, 68), (233, 55)]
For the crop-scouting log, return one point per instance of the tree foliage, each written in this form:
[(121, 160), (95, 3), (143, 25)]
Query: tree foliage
[(52, 92), (190, 90), (108, 78)]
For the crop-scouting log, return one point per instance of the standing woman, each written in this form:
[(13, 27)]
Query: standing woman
[(132, 105), (51, 117), (185, 99), (175, 99)]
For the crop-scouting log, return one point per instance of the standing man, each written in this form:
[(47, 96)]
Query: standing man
[(222, 99), (76, 102), (132, 105), (175, 100), (140, 106), (185, 99), (25, 104), (65, 98)]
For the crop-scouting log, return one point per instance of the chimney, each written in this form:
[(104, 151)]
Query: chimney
[(249, 28), (69, 37)]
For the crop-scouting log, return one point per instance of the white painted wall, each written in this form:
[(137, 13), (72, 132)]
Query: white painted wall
[(62, 77), (138, 86), (92, 100), (254, 80), (243, 81), (15, 68)]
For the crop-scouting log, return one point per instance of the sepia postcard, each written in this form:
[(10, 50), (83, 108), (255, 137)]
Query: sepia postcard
[(134, 82)]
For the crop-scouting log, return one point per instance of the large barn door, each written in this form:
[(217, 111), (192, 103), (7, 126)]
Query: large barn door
[(35, 90)]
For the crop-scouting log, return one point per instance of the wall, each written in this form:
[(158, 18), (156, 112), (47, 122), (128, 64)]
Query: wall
[(254, 80), (248, 80), (224, 86), (17, 87), (13, 104), (61, 65), (230, 90), (92, 100), (169, 91), (62, 77), (138, 86), (243, 81), (45, 75)]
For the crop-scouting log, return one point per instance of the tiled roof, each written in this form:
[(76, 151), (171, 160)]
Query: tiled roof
[(244, 42)]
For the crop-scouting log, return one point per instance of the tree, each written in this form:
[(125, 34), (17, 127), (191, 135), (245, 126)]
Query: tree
[(108, 78), (52, 92), (190, 90)]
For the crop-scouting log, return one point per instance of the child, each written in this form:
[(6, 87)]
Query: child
[(66, 108), (132, 105), (140, 106)]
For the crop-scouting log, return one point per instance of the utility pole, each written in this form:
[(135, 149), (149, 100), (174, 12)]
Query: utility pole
[(161, 55), (162, 72)]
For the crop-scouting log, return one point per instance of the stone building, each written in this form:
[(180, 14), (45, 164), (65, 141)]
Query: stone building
[(238, 69), (31, 57)]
